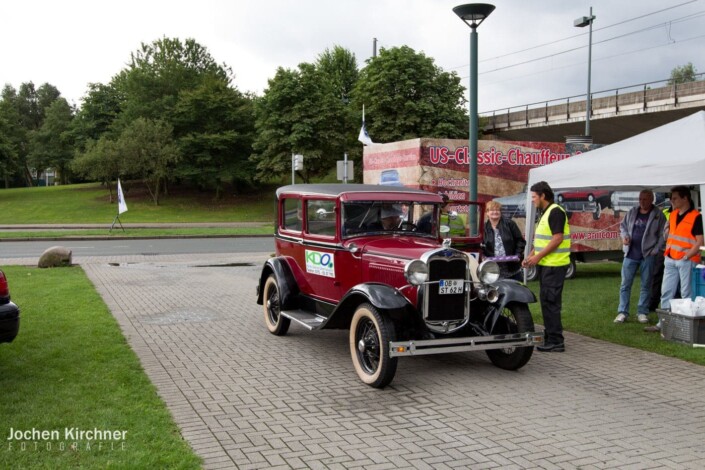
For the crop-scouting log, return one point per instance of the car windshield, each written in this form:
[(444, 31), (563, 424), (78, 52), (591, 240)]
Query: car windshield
[(374, 217)]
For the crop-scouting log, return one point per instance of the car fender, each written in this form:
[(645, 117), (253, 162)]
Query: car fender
[(513, 291), (288, 288), (510, 291), (381, 296)]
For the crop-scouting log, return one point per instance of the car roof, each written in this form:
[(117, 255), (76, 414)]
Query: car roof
[(360, 191)]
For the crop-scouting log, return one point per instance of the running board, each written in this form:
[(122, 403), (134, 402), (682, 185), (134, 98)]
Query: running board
[(308, 320), (475, 343)]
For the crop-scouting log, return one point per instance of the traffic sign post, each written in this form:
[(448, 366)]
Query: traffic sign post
[(297, 164)]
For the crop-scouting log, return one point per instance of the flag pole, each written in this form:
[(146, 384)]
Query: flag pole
[(117, 219), (364, 137), (121, 207)]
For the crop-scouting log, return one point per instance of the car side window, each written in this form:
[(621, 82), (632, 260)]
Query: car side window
[(320, 217), (293, 214)]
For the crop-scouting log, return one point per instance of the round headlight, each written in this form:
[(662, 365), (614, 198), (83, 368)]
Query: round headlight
[(488, 272), (416, 272)]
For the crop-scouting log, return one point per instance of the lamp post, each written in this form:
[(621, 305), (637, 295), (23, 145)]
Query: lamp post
[(581, 23), (473, 14)]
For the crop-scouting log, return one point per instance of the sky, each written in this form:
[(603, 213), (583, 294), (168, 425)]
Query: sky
[(529, 51)]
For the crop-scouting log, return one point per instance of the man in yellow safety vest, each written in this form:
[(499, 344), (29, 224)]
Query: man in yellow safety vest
[(551, 256)]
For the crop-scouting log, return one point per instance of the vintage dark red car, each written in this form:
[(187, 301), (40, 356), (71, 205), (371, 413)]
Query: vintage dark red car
[(372, 259)]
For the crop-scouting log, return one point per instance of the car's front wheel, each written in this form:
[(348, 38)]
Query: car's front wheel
[(515, 318), (370, 334), (276, 323)]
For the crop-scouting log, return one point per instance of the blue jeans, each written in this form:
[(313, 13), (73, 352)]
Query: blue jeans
[(673, 271), (646, 269)]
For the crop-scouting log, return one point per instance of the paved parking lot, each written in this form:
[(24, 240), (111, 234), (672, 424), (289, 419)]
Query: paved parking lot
[(244, 398)]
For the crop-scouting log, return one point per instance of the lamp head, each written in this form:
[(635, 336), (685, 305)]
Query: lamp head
[(583, 21), (473, 13)]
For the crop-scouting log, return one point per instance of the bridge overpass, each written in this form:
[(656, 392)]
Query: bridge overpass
[(616, 114)]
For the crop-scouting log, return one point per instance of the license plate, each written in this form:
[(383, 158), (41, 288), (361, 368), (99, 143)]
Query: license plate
[(451, 286)]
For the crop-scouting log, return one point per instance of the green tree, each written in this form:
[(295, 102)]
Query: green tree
[(51, 146), (407, 96), (159, 72), (101, 161), (99, 109), (25, 111), (12, 136), (216, 125), (301, 112), (8, 152), (33, 103), (682, 74), (148, 152), (340, 67), (16, 132), (180, 84)]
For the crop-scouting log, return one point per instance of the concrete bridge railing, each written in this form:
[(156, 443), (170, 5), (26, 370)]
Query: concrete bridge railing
[(642, 98)]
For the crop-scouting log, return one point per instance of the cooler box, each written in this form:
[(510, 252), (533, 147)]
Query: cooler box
[(681, 328), (697, 281)]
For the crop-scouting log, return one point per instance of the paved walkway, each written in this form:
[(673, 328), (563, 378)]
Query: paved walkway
[(244, 398)]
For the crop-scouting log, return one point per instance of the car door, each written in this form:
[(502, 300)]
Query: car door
[(317, 258)]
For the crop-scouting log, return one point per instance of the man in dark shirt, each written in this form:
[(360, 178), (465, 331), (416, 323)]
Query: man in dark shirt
[(551, 255), (642, 237)]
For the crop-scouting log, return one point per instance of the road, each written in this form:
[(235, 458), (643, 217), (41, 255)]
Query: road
[(34, 249)]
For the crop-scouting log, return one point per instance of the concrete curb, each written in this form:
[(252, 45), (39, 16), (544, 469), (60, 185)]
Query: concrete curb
[(107, 237), (9, 228)]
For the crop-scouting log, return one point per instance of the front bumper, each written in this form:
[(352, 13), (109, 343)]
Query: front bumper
[(475, 343), (9, 322)]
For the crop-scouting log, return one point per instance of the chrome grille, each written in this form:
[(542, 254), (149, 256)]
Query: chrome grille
[(446, 264)]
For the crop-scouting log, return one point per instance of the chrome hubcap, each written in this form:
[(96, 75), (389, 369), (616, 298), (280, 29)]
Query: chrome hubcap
[(361, 346)]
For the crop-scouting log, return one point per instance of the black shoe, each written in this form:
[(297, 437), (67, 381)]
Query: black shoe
[(551, 347)]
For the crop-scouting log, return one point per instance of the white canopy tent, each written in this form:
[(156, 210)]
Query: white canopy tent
[(670, 155)]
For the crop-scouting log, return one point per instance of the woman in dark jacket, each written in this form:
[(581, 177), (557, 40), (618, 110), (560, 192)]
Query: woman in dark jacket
[(502, 238)]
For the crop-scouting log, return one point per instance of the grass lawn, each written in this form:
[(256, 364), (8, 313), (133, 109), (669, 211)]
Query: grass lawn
[(70, 367), (590, 304), (90, 203)]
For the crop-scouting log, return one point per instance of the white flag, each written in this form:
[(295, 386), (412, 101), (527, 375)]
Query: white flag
[(364, 137), (122, 205)]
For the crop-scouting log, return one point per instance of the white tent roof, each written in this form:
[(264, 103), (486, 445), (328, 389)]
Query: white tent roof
[(670, 155), (659, 159)]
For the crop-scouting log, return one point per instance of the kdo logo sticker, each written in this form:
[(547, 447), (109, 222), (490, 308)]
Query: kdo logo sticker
[(320, 263)]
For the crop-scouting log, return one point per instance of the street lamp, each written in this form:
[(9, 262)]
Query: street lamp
[(581, 23), (473, 14)]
